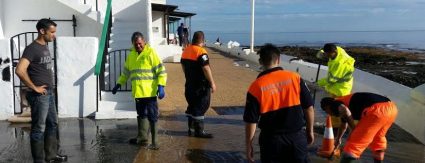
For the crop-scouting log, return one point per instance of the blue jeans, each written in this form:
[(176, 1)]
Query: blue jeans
[(44, 126)]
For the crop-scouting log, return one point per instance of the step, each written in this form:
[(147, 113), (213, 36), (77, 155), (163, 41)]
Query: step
[(120, 41), (118, 97), (120, 46), (119, 114), (81, 8), (118, 106)]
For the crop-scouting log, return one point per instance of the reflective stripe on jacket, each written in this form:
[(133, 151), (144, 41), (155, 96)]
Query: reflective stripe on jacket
[(145, 71), (339, 80)]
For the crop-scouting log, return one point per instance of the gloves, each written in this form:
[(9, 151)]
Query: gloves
[(320, 54), (114, 90), (161, 92)]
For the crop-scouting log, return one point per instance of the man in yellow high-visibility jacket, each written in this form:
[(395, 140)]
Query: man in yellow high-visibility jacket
[(148, 78), (339, 80)]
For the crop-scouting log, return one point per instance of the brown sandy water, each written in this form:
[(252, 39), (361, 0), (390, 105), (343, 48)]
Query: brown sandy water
[(88, 140)]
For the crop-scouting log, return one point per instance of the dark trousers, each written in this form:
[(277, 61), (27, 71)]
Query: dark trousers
[(288, 147), (198, 100), (147, 108), (180, 40), (43, 136)]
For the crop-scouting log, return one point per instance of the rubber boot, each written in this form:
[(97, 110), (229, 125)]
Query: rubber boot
[(190, 125), (199, 129), (142, 132), (154, 132), (37, 151), (50, 146)]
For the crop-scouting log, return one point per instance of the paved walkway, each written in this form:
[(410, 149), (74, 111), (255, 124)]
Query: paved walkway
[(232, 83), (87, 140)]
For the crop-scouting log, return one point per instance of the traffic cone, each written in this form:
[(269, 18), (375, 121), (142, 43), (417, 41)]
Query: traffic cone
[(328, 142)]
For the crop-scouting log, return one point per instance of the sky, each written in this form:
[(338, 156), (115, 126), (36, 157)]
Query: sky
[(233, 16)]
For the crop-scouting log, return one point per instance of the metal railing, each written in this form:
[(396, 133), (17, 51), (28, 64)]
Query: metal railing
[(102, 52), (114, 67)]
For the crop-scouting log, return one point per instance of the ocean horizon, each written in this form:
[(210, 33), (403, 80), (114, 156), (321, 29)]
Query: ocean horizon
[(400, 40)]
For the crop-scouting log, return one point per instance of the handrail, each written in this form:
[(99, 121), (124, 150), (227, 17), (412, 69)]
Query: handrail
[(102, 42), (115, 62)]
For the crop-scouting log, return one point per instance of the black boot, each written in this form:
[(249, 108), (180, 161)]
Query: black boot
[(37, 151), (199, 129), (190, 125), (154, 132), (142, 132), (51, 148)]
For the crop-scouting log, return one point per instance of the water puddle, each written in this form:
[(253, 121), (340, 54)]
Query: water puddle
[(231, 110)]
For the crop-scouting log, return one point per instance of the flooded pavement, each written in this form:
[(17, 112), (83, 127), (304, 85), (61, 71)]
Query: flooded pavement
[(87, 140)]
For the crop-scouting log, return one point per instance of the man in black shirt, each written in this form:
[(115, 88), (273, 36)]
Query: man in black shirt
[(280, 102), (199, 84), (35, 71)]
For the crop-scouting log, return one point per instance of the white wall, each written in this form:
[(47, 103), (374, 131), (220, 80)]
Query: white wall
[(410, 102), (6, 87), (157, 23), (159, 1), (1, 19), (76, 59), (17, 10)]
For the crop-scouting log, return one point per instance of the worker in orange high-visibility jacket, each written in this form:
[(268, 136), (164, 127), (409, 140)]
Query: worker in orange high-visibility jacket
[(199, 84), (339, 80), (280, 102), (148, 78), (375, 113)]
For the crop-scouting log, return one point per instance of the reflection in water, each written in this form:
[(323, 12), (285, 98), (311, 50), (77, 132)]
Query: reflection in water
[(200, 155)]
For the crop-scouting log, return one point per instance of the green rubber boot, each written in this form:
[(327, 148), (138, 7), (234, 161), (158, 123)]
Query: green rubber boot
[(142, 134), (154, 132)]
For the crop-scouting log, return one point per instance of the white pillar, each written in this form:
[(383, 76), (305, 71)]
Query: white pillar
[(149, 38), (1, 19), (6, 87), (252, 25)]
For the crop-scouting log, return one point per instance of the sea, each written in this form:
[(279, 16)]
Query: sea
[(412, 40)]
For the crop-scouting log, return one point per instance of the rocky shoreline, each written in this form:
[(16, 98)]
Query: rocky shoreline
[(401, 66)]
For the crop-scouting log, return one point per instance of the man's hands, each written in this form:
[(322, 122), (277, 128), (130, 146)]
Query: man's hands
[(114, 90), (310, 137), (161, 92), (41, 89), (338, 142), (213, 87)]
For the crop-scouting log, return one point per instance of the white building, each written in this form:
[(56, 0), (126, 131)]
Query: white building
[(80, 22)]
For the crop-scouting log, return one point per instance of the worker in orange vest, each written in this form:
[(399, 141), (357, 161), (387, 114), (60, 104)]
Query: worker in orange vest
[(280, 102), (199, 84), (375, 113)]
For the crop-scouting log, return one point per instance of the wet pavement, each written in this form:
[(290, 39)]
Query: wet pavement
[(86, 140)]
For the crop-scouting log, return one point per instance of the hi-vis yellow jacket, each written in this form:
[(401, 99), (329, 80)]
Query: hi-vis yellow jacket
[(339, 80), (146, 72)]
